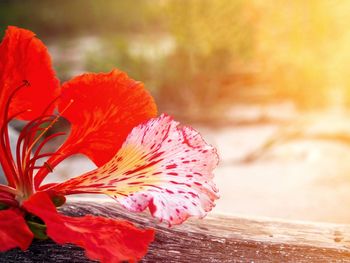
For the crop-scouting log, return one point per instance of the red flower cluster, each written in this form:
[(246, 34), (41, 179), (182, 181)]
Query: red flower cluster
[(142, 160)]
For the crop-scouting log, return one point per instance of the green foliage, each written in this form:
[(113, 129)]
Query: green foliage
[(194, 81), (208, 36), (220, 51), (117, 54), (211, 36), (206, 26), (73, 17)]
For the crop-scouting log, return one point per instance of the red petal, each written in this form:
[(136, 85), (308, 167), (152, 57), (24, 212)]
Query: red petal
[(14, 231), (159, 165), (106, 240), (103, 109), (24, 57)]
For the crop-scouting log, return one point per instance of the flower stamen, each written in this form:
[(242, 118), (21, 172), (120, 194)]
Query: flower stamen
[(8, 163), (29, 138)]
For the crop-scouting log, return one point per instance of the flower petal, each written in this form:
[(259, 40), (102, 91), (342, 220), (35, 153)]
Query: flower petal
[(104, 109), (14, 231), (162, 166), (104, 239), (24, 57)]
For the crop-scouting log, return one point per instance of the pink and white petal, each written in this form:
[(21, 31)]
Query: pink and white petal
[(161, 166), (14, 231)]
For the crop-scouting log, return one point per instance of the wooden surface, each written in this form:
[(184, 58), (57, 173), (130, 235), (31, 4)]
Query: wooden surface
[(214, 239)]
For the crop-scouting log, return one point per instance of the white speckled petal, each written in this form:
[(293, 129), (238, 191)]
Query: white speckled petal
[(161, 166)]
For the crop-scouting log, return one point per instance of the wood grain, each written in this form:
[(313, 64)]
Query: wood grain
[(214, 239)]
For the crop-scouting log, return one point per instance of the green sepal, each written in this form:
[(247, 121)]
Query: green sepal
[(58, 200), (38, 229), (3, 206)]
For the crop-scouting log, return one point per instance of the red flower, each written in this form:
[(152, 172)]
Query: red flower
[(142, 161)]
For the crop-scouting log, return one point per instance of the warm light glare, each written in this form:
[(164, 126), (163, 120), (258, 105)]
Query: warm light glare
[(303, 48)]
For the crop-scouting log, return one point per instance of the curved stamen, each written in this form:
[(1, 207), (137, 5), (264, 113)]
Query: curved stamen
[(4, 131), (31, 166), (25, 144), (50, 105), (46, 140), (26, 135), (48, 127), (13, 93), (8, 163), (12, 117), (40, 156), (7, 189), (30, 148), (42, 173), (29, 138), (53, 161), (37, 155)]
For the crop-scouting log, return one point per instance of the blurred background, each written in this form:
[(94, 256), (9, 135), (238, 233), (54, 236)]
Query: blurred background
[(266, 82)]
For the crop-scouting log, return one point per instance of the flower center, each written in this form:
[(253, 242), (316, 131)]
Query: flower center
[(19, 169)]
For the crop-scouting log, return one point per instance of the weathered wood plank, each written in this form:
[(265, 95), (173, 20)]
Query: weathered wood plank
[(214, 239)]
